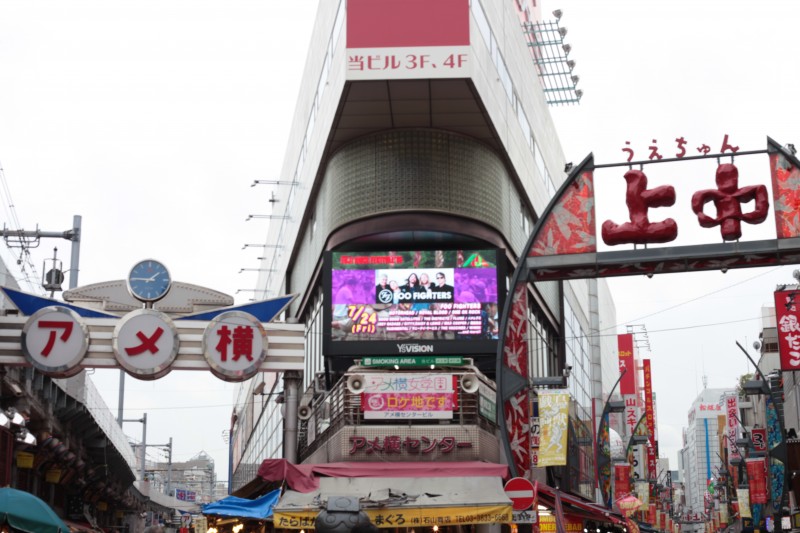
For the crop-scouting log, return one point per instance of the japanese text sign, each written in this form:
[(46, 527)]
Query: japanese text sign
[(397, 445), (235, 345), (627, 384), (145, 343), (554, 419), (407, 39), (55, 340), (731, 425), (757, 476), (786, 316), (650, 418)]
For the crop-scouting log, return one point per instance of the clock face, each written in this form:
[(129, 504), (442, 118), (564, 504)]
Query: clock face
[(149, 280)]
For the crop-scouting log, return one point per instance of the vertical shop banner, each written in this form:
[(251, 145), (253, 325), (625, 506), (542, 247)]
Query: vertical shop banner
[(643, 493), (622, 480), (757, 475), (649, 411), (554, 420), (627, 385), (786, 317), (651, 514), (731, 427)]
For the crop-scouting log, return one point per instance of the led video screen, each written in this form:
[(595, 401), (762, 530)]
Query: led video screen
[(412, 302)]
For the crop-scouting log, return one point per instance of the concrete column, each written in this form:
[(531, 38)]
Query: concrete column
[(291, 387)]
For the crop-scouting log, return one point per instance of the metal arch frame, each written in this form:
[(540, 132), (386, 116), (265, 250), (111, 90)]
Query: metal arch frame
[(636, 262), (506, 390)]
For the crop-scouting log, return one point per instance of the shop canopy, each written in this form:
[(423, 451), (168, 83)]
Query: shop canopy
[(305, 477), (578, 507), (259, 509), (402, 501)]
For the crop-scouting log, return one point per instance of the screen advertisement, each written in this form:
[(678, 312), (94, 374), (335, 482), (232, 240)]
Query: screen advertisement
[(412, 302)]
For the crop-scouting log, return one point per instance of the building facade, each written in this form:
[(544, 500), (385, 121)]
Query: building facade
[(399, 168)]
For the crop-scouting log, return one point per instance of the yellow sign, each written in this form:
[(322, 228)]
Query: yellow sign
[(572, 524), (408, 517), (24, 460), (102, 506), (53, 475), (553, 419)]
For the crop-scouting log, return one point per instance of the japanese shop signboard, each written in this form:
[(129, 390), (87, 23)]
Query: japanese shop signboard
[(650, 418), (757, 477), (412, 303), (668, 209), (409, 396), (622, 480), (554, 420), (406, 39), (731, 426), (786, 316), (61, 339), (627, 384)]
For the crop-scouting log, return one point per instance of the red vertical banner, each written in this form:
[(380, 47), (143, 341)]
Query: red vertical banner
[(627, 385), (650, 417), (731, 426), (757, 475), (786, 316), (622, 480), (651, 514)]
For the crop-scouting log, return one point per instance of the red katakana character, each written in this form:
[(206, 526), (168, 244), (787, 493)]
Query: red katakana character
[(654, 151), (727, 198), (224, 340), (628, 150), (243, 342), (374, 445), (51, 340), (726, 146), (431, 444), (704, 149), (391, 63), (148, 343), (681, 143), (358, 443), (373, 63), (412, 445), (448, 444), (639, 199)]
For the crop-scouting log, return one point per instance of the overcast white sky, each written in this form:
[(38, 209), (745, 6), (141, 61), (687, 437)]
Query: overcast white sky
[(152, 119)]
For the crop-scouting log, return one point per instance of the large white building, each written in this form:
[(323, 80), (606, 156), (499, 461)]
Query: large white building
[(388, 152)]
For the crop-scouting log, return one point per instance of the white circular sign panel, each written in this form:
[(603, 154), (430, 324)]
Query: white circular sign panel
[(146, 343), (55, 340), (235, 345)]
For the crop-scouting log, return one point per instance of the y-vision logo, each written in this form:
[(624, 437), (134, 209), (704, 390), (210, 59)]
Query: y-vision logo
[(415, 348)]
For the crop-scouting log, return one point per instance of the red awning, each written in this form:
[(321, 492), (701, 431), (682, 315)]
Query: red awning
[(578, 506), (304, 478)]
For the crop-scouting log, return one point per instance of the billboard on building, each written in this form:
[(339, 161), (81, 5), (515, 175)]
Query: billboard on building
[(786, 316), (413, 302)]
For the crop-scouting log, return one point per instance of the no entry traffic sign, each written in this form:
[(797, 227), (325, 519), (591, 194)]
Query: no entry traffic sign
[(520, 491)]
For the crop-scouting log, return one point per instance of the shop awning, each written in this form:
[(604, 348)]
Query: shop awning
[(259, 509), (579, 507), (402, 501)]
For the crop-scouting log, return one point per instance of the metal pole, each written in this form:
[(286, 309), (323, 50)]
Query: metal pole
[(121, 396), (169, 469), (74, 262), (291, 385), (144, 443)]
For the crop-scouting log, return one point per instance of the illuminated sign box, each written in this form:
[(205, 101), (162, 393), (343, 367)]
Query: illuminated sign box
[(413, 303)]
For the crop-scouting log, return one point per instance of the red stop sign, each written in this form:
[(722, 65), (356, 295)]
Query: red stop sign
[(520, 491)]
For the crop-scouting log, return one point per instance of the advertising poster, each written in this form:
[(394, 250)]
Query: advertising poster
[(757, 475), (622, 480), (786, 316), (553, 419), (417, 297), (408, 396)]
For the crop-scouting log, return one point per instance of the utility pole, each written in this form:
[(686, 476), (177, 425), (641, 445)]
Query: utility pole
[(30, 239)]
